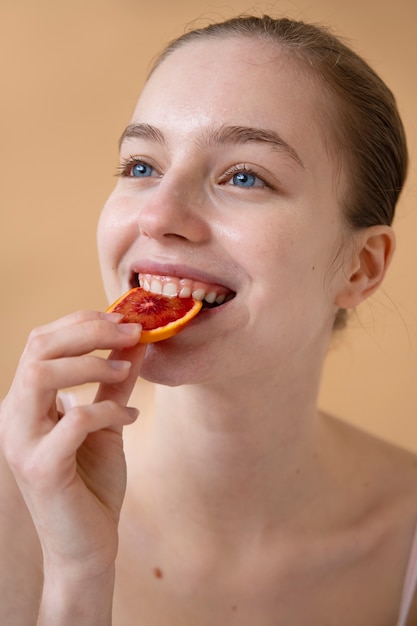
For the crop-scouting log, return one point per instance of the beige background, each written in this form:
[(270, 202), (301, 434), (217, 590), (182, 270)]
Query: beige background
[(70, 73)]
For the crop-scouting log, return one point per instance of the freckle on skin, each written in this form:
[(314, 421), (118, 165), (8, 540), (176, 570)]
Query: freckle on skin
[(157, 572)]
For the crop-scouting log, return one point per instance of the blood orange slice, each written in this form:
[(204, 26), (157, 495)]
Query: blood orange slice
[(160, 316)]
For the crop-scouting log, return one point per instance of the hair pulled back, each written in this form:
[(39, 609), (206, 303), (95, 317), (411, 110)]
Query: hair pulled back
[(364, 120)]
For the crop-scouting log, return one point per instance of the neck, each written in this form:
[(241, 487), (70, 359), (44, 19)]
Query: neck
[(238, 452)]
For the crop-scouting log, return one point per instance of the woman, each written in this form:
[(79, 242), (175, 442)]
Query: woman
[(262, 163)]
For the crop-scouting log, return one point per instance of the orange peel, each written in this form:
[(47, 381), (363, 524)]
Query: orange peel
[(160, 316)]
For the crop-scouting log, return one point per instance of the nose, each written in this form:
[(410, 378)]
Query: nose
[(174, 209)]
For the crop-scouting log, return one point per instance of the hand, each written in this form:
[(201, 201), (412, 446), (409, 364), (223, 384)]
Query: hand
[(71, 468)]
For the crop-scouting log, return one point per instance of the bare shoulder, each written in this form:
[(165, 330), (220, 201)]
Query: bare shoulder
[(383, 466), (378, 486), (20, 556)]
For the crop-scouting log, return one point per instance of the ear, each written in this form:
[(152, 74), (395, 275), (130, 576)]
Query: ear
[(366, 268)]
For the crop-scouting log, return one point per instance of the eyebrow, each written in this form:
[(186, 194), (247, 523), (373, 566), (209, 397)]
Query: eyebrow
[(138, 131), (225, 135)]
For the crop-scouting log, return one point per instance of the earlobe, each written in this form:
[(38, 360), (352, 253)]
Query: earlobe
[(372, 253)]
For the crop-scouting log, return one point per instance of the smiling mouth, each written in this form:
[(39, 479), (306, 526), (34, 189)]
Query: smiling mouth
[(212, 295)]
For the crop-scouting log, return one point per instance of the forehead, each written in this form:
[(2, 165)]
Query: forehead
[(235, 81), (222, 71)]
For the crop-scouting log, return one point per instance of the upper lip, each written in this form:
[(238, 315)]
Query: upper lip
[(176, 270)]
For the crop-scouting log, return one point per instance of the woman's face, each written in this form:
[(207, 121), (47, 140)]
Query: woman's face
[(226, 184)]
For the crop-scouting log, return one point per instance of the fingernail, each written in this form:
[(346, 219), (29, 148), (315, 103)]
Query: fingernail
[(133, 412), (129, 329), (112, 317), (119, 365)]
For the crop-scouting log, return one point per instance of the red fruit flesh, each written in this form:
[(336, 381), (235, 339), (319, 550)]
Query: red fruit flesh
[(160, 316)]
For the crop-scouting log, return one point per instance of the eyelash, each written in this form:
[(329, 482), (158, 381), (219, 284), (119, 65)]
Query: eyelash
[(126, 166), (244, 169)]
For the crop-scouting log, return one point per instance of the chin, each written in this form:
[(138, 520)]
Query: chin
[(167, 363)]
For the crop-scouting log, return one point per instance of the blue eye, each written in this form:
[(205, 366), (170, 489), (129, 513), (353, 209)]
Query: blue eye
[(244, 179), (141, 170)]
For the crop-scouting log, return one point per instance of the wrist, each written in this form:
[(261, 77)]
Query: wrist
[(69, 599)]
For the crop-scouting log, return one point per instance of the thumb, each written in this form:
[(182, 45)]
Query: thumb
[(120, 392)]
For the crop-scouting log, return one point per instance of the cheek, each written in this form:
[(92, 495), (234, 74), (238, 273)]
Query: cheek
[(291, 268), (115, 233), (116, 228), (106, 243), (274, 252)]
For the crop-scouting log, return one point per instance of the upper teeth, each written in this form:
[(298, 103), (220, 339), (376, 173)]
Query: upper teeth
[(183, 287)]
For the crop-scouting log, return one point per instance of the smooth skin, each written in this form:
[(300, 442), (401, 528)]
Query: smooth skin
[(242, 504)]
